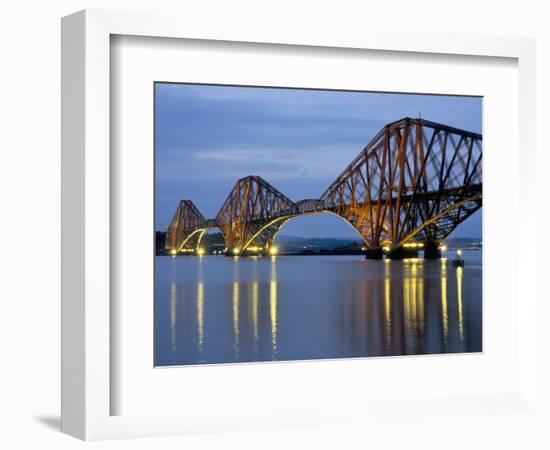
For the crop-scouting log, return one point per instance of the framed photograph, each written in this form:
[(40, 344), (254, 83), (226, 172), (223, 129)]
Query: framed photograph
[(368, 262), (267, 228)]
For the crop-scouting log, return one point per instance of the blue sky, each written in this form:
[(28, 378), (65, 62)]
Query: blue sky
[(207, 137)]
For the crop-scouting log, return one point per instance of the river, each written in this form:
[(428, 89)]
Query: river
[(217, 309)]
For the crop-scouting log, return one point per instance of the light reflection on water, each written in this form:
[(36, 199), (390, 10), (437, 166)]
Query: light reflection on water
[(273, 305), (444, 309), (215, 309)]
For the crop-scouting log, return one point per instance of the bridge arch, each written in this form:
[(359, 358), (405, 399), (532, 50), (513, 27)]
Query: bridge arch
[(437, 228), (186, 228), (323, 212), (263, 239), (267, 241), (211, 229)]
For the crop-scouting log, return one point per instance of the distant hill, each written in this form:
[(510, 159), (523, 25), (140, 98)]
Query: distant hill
[(325, 242), (463, 240)]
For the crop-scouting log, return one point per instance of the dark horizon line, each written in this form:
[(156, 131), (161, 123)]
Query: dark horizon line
[(358, 238)]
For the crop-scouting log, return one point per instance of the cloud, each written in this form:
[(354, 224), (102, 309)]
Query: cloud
[(244, 155), (321, 162)]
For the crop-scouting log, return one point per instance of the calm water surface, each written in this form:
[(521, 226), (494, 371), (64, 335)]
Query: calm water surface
[(215, 309)]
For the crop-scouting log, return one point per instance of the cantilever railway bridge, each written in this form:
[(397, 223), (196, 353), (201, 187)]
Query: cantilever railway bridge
[(414, 183)]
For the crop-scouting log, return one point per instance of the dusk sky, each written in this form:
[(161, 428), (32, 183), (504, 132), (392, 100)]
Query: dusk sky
[(207, 137)]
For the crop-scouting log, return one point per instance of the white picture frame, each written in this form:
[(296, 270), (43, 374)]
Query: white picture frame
[(87, 386)]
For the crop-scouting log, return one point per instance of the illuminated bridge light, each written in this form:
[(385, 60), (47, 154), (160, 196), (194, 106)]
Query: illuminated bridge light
[(273, 250), (173, 252), (443, 248), (236, 250), (200, 251), (413, 245)]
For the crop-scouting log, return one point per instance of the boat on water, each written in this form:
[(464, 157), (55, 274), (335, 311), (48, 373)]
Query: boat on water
[(458, 261)]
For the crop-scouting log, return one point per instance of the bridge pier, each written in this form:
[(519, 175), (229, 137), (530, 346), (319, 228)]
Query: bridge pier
[(373, 253), (432, 251), (402, 253)]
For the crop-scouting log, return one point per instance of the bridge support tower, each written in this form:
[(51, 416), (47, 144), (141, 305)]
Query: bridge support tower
[(373, 253), (432, 251)]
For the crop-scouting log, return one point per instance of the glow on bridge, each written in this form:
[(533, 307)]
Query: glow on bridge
[(409, 188)]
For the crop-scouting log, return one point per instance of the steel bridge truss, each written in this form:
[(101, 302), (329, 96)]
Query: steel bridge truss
[(186, 229), (415, 181), (252, 214)]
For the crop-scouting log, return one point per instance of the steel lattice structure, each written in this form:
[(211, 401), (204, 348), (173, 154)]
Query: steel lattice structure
[(415, 181), (186, 229), (253, 213)]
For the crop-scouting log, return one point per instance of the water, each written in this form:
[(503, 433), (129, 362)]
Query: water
[(215, 309)]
